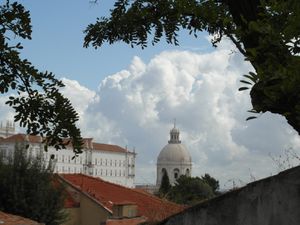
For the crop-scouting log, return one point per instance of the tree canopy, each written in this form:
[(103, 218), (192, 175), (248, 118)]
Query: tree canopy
[(212, 182), (266, 32), (190, 190), (165, 185), (34, 95), (27, 187)]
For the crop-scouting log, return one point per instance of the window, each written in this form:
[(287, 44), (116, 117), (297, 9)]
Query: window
[(176, 173), (187, 172), (95, 161), (111, 162), (63, 158), (101, 162)]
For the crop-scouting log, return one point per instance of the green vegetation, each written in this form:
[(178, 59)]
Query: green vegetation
[(27, 188), (189, 190), (165, 185), (267, 33), (212, 182), (36, 99)]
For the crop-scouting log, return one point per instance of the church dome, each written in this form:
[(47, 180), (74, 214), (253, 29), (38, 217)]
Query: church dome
[(174, 153), (174, 159)]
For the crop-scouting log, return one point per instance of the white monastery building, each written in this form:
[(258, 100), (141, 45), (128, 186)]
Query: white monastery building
[(174, 159), (109, 162)]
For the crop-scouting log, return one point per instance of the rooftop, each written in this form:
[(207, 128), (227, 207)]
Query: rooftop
[(108, 194), (128, 221), (87, 143)]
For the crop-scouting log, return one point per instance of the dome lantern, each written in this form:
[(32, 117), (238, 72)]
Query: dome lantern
[(174, 135)]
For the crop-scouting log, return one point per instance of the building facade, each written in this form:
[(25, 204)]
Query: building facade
[(174, 159), (109, 162)]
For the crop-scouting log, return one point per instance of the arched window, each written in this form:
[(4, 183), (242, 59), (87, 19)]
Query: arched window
[(187, 172), (176, 173)]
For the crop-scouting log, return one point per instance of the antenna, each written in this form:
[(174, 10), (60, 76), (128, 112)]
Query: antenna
[(174, 122)]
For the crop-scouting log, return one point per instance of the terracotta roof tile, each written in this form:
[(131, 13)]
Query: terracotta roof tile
[(131, 221), (108, 194), (9, 219), (70, 202), (87, 142), (21, 137), (107, 147)]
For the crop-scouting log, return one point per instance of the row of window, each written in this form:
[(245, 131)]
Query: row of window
[(106, 162), (176, 172), (101, 162), (112, 173), (100, 172)]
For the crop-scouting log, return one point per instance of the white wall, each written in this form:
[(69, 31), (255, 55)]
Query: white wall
[(115, 167)]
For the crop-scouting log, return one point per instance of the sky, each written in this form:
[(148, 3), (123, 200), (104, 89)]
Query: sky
[(130, 97)]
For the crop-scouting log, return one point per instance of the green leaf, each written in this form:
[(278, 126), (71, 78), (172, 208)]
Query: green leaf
[(251, 118), (245, 82), (243, 88)]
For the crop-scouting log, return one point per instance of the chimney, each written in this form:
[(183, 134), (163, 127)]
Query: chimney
[(124, 210)]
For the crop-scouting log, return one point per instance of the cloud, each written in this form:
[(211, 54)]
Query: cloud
[(6, 113), (136, 107)]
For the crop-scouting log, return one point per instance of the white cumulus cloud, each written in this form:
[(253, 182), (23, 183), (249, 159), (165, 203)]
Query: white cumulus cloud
[(136, 107)]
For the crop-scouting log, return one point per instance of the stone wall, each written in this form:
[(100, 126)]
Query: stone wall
[(271, 201)]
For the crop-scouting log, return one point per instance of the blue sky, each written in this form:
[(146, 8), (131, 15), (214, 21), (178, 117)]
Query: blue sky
[(130, 97), (57, 42)]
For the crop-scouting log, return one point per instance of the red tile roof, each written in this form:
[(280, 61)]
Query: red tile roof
[(107, 147), (20, 138), (127, 221), (70, 202), (87, 143), (9, 219), (107, 194)]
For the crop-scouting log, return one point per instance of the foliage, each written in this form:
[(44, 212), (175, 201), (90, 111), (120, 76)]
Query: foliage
[(34, 95), (265, 32), (165, 185), (212, 182), (190, 190), (27, 188)]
